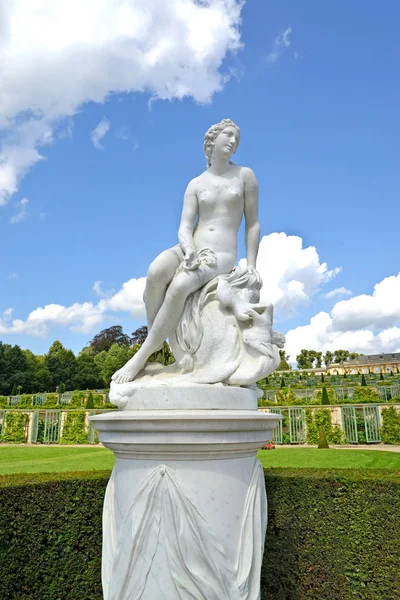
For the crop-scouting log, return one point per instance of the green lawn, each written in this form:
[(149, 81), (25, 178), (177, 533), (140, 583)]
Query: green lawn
[(329, 459), (39, 459)]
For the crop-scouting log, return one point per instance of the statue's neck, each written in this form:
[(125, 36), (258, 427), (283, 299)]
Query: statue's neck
[(219, 166)]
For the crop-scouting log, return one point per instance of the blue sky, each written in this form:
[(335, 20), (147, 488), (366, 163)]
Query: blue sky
[(315, 89)]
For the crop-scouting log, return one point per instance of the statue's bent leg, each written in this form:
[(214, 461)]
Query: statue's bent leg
[(159, 276), (167, 318)]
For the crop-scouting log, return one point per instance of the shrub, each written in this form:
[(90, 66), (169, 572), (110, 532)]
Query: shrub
[(74, 429), (50, 535), (331, 395), (3, 402), (321, 417), (90, 401), (363, 380), (365, 395), (25, 401), (51, 402), (390, 425), (15, 428), (322, 441), (98, 400), (77, 400), (324, 396)]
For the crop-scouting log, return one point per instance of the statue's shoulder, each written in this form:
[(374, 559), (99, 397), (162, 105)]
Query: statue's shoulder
[(247, 174)]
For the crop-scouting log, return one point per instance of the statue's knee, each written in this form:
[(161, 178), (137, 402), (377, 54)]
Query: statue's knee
[(155, 273)]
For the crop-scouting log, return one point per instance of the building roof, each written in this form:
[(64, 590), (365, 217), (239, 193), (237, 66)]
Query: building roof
[(370, 359)]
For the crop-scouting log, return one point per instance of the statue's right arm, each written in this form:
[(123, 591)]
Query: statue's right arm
[(188, 219)]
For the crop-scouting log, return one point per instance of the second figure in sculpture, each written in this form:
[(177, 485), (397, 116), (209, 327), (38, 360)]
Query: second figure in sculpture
[(213, 208)]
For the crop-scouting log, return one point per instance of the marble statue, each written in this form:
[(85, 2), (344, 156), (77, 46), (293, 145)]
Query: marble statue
[(185, 511), (231, 342)]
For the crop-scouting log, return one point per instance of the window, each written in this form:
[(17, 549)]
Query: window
[(377, 370), (365, 370)]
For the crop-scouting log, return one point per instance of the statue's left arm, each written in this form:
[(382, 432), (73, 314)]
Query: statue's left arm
[(251, 217)]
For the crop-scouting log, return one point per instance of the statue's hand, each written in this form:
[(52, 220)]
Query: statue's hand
[(191, 260), (253, 271)]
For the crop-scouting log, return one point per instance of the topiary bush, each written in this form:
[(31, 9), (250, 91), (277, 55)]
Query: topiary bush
[(25, 401), (50, 535)]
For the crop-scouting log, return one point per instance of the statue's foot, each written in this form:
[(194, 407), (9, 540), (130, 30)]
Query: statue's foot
[(128, 372)]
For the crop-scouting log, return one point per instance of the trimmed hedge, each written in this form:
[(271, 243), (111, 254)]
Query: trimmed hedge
[(332, 535)]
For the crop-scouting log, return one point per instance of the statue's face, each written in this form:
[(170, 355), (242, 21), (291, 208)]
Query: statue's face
[(226, 143)]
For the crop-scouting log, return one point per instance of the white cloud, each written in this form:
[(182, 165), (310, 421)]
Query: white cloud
[(342, 291), (366, 324), (281, 43), (291, 274), (56, 56), (12, 275), (21, 213), (79, 317), (99, 132)]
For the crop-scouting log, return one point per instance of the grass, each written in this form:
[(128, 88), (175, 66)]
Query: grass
[(45, 459), (329, 459)]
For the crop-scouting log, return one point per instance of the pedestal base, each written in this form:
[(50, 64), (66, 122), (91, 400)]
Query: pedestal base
[(185, 509)]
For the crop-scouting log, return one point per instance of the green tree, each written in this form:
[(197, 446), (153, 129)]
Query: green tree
[(14, 391), (322, 441), (284, 365), (363, 380), (61, 388), (322, 378), (109, 337), (282, 383), (139, 335), (305, 359), (61, 364), (87, 373), (341, 356), (381, 376), (325, 397), (111, 361), (328, 358), (90, 401)]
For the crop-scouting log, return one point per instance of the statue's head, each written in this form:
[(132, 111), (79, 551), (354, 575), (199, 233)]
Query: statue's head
[(224, 137)]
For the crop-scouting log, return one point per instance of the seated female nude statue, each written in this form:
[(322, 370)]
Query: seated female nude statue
[(213, 208)]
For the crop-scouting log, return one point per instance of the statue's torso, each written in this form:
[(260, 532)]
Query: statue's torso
[(220, 210)]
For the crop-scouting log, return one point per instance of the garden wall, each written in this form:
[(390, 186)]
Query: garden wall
[(332, 535)]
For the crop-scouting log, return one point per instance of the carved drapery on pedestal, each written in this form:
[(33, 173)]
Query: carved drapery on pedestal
[(163, 513)]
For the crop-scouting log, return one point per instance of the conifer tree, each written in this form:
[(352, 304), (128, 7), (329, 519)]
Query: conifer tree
[(322, 378), (381, 376), (282, 383), (325, 397), (322, 441), (90, 401), (363, 381)]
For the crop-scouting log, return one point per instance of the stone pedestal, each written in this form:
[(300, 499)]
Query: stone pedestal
[(185, 510)]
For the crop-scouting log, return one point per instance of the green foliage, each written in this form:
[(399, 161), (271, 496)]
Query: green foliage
[(282, 383), (331, 395), (321, 417), (90, 401), (324, 396), (390, 425), (51, 402), (77, 400), (363, 380), (74, 429), (61, 388), (322, 441), (15, 428), (365, 395), (322, 378), (98, 400), (381, 378), (50, 549), (25, 401), (3, 401)]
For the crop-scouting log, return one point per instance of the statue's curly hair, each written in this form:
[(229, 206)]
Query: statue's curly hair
[(213, 133)]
